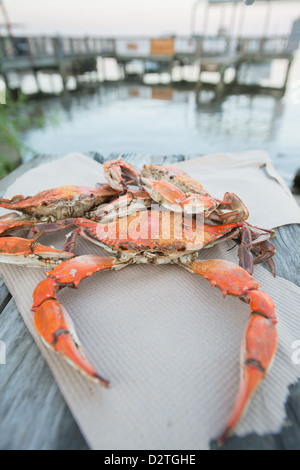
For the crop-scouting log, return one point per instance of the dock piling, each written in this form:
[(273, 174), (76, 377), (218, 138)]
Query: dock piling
[(58, 47), (77, 56)]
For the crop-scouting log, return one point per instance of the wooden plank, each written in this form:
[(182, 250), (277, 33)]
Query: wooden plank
[(29, 394), (5, 295), (33, 413), (287, 243)]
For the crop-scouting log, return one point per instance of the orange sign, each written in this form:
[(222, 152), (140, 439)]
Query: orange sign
[(162, 46), (134, 93), (162, 94), (132, 46)]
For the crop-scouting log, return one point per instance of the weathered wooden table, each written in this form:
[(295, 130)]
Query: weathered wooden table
[(33, 413)]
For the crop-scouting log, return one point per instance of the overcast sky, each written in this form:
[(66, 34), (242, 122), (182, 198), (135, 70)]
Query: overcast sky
[(136, 17)]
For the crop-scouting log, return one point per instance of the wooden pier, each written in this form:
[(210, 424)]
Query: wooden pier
[(73, 57)]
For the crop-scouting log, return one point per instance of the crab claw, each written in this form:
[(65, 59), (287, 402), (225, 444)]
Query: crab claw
[(260, 338), (29, 253), (57, 331), (258, 350), (239, 211), (174, 199), (129, 203), (51, 319), (120, 174), (13, 221)]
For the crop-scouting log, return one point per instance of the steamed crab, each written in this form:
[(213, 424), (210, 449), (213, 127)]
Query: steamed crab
[(123, 221)]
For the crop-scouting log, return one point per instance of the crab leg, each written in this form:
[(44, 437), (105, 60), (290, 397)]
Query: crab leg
[(51, 319), (175, 200), (236, 211), (259, 244), (239, 210), (12, 222), (50, 227), (120, 174), (129, 203), (260, 338), (70, 241), (29, 253), (265, 251)]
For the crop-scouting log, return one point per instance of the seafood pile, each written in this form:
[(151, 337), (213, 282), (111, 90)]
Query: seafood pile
[(158, 215)]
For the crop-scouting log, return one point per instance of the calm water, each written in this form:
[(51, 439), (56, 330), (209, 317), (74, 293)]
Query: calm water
[(143, 119)]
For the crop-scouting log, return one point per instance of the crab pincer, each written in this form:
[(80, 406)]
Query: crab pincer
[(11, 222), (259, 344), (52, 320), (27, 252), (120, 174)]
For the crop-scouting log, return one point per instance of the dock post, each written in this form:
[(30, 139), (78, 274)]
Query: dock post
[(60, 60), (198, 91), (2, 72), (3, 92), (103, 69), (290, 61), (5, 79), (237, 67), (35, 74), (33, 68), (198, 87), (170, 70), (221, 85)]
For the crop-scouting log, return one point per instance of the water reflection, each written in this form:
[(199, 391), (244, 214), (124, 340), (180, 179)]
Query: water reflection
[(165, 120)]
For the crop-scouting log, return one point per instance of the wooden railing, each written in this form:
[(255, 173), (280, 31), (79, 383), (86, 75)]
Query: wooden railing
[(126, 47)]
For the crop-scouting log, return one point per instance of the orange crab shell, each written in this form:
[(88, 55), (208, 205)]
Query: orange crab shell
[(62, 202), (157, 232), (174, 176)]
